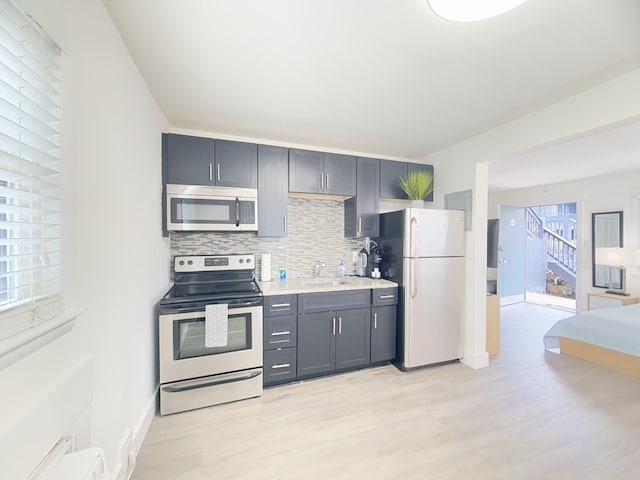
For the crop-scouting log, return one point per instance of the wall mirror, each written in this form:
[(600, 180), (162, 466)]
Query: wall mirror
[(606, 231)]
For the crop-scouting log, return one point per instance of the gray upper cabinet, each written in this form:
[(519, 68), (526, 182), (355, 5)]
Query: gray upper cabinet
[(273, 185), (361, 212), (323, 173), (236, 164), (339, 174), (189, 160), (205, 161), (390, 174)]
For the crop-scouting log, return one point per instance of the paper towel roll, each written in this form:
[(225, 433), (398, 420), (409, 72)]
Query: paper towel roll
[(265, 267)]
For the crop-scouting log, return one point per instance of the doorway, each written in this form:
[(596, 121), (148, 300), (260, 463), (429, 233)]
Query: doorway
[(537, 255)]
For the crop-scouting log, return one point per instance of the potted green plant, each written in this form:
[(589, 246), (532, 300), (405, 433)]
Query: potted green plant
[(417, 185)]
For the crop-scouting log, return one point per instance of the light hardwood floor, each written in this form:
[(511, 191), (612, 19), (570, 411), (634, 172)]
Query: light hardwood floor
[(531, 415)]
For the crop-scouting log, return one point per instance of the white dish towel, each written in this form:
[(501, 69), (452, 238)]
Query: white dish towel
[(216, 325)]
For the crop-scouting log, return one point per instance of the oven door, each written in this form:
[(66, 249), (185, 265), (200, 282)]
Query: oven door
[(183, 354), (194, 208)]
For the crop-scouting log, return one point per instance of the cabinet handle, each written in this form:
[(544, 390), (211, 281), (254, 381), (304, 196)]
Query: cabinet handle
[(276, 334), (375, 321), (279, 305), (218, 171), (285, 223), (210, 172), (282, 365), (334, 326), (359, 224), (339, 325), (322, 181), (326, 181), (382, 297)]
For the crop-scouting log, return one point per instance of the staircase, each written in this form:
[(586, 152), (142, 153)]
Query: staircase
[(561, 253)]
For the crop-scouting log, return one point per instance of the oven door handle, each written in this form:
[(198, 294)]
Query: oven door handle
[(237, 212), (192, 385)]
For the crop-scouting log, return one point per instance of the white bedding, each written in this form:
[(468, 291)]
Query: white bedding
[(613, 328)]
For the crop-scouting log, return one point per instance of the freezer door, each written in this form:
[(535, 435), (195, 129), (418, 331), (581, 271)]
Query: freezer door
[(433, 233), (433, 297)]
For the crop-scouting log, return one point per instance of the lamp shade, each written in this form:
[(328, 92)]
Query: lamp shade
[(615, 256), (471, 10)]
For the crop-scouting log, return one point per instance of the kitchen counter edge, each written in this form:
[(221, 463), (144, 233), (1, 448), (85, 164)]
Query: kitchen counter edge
[(297, 286)]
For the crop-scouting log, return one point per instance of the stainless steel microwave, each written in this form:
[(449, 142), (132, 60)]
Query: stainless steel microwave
[(199, 208)]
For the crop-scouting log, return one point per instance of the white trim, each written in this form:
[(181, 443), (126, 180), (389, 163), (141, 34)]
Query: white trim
[(511, 299), (475, 360), (27, 342)]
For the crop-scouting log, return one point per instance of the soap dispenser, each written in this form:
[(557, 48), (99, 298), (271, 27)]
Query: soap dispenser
[(341, 269)]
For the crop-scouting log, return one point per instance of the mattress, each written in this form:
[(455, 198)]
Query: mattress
[(613, 328)]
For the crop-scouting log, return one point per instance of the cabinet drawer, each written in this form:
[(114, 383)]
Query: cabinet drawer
[(280, 332), (279, 365), (280, 305), (332, 301), (384, 296)]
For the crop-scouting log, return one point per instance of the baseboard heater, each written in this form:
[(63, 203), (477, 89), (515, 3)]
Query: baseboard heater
[(62, 463)]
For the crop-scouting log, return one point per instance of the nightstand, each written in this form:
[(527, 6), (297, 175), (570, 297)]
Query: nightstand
[(608, 300)]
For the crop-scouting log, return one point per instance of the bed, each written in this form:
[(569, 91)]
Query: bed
[(609, 337)]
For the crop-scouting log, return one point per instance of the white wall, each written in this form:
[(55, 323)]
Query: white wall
[(615, 100), (598, 194), (115, 260)]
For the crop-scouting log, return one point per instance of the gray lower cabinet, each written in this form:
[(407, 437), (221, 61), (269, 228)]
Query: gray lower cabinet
[(383, 333), (280, 330), (316, 343), (273, 185), (353, 338), (361, 212), (390, 174)]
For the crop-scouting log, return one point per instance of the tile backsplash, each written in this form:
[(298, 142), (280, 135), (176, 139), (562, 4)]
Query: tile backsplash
[(316, 232)]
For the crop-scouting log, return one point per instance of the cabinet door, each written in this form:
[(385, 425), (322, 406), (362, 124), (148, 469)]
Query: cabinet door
[(306, 174), (316, 343), (390, 173), (189, 160), (420, 167), (273, 185), (280, 332), (236, 164), (361, 212), (279, 365), (383, 333), (353, 338), (339, 174)]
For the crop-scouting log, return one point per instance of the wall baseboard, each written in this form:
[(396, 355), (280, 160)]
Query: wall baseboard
[(475, 360)]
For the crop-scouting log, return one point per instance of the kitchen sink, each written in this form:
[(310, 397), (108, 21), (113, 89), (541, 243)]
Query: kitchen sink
[(325, 283)]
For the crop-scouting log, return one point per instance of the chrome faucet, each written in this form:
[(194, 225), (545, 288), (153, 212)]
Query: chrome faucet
[(317, 267)]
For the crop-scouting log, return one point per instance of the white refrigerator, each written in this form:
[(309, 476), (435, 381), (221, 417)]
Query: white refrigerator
[(423, 251)]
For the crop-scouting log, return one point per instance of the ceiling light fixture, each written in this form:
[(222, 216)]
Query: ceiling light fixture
[(471, 10)]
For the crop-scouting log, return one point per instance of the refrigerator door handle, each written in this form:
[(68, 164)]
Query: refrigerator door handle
[(413, 249), (413, 278)]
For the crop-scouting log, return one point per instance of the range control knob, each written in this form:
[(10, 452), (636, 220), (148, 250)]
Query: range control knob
[(241, 261), (181, 262), (248, 260), (190, 262)]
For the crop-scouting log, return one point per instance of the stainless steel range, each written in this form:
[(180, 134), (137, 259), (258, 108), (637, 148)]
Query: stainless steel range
[(210, 333)]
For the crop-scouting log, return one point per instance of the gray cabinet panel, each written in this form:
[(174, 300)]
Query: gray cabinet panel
[(419, 167), (353, 338), (339, 174), (305, 171), (361, 212), (273, 185), (280, 305), (325, 301), (390, 173), (316, 343), (280, 332), (384, 296), (279, 366), (236, 164), (383, 333), (189, 160)]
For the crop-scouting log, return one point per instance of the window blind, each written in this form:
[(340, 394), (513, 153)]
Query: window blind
[(30, 193)]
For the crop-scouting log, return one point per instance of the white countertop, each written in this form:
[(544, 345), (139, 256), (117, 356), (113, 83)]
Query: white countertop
[(328, 284)]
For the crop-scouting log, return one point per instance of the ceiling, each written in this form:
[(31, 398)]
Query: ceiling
[(381, 77)]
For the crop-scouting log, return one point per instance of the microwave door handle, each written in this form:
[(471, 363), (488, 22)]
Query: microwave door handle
[(237, 212)]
